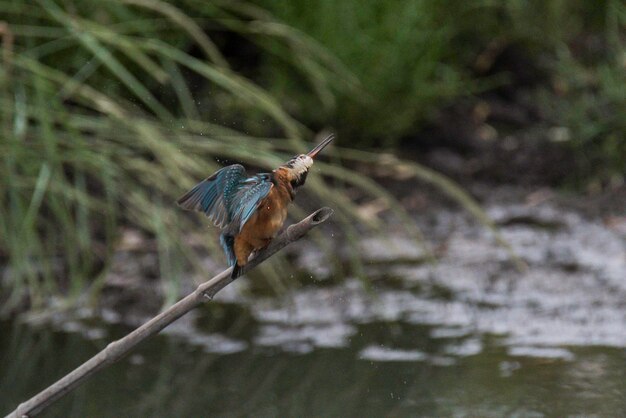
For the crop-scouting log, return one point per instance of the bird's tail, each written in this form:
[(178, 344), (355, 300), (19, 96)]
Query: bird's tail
[(236, 271), (228, 244)]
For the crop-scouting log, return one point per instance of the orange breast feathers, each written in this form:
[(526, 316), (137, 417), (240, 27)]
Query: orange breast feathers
[(265, 222)]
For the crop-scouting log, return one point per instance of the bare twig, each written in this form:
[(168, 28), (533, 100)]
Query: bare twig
[(118, 349)]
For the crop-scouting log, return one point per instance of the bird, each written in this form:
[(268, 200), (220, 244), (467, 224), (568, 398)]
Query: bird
[(249, 210)]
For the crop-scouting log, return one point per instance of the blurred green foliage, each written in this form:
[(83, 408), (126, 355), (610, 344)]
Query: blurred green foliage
[(401, 52), (414, 57), (106, 116), (109, 113), (107, 108)]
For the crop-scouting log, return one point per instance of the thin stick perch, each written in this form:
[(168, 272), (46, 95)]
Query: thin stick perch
[(118, 349)]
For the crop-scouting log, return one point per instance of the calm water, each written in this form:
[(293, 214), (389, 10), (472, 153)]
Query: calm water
[(170, 378), (467, 337)]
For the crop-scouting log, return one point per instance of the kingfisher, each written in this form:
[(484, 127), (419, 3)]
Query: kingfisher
[(250, 210)]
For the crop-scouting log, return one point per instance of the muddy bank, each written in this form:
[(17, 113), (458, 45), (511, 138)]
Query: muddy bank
[(467, 335), (572, 293)]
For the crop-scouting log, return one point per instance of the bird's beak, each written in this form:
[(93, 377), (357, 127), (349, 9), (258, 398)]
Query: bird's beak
[(313, 153)]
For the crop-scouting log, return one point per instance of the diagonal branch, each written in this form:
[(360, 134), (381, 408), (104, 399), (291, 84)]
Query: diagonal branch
[(118, 349)]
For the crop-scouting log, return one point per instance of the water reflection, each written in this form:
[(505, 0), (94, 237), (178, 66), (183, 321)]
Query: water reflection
[(469, 336), (168, 377)]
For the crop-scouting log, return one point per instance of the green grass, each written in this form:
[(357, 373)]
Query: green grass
[(417, 56), (400, 51), (588, 97), (109, 113), (111, 109), (88, 145)]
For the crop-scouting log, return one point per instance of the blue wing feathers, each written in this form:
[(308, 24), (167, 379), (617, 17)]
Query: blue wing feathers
[(209, 196), (249, 200), (229, 198)]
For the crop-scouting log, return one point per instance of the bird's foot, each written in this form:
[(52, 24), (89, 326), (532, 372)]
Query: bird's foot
[(266, 243), (237, 270)]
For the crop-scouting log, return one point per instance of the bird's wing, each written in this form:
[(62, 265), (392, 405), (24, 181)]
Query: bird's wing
[(247, 199), (213, 195)]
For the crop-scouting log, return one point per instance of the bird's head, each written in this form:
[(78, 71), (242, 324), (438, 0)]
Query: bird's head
[(296, 169)]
